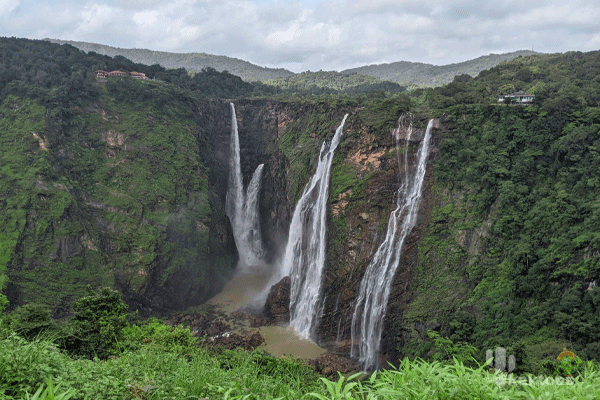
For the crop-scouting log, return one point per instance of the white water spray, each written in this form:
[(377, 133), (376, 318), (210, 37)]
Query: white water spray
[(242, 206), (304, 258), (371, 303)]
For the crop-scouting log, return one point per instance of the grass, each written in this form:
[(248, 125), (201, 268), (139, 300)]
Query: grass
[(434, 380), (161, 362)]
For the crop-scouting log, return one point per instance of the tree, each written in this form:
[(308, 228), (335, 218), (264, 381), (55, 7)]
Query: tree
[(30, 320), (97, 324)]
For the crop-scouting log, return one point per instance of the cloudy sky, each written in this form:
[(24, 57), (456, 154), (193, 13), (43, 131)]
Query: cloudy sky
[(314, 34)]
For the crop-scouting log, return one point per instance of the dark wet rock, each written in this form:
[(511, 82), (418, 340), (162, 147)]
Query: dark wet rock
[(433, 326), (277, 307), (256, 320), (329, 364), (228, 340), (212, 331), (219, 329)]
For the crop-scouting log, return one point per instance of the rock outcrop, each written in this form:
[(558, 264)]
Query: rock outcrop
[(277, 306)]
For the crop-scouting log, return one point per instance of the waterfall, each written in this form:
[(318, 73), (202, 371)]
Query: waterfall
[(242, 206), (304, 258), (375, 287)]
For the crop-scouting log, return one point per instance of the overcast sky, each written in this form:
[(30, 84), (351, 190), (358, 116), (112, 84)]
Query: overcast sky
[(313, 34)]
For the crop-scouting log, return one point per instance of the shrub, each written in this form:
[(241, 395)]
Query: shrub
[(97, 324), (30, 320), (155, 333)]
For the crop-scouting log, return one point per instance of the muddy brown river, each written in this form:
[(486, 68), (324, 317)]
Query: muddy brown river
[(242, 293)]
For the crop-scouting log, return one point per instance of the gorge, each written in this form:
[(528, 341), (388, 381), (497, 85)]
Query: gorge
[(132, 185)]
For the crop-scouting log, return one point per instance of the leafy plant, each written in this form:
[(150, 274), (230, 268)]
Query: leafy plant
[(3, 304), (567, 366), (25, 365), (341, 390), (97, 324), (49, 392), (446, 349)]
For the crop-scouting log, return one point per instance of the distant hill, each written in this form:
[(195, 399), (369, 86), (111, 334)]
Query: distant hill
[(322, 82), (190, 61), (420, 74), (404, 73)]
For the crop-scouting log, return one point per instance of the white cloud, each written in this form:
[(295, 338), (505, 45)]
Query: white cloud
[(145, 17), (6, 6), (314, 34)]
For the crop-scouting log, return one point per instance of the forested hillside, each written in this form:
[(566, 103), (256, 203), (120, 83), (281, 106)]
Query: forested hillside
[(331, 82), (404, 73), (427, 75), (512, 253), (193, 62)]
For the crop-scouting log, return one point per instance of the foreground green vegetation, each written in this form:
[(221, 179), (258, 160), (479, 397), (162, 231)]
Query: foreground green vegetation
[(98, 355)]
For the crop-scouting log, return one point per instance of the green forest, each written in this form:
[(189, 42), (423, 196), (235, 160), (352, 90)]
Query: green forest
[(530, 173), (112, 218), (427, 75)]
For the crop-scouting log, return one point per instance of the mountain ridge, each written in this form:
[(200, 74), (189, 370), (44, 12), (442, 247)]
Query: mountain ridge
[(411, 73), (406, 73), (195, 62)]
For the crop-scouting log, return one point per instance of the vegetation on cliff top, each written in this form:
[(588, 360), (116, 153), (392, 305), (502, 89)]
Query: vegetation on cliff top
[(331, 82), (512, 254)]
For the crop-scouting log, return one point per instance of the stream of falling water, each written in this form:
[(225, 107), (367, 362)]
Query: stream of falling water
[(242, 206), (371, 303), (304, 258)]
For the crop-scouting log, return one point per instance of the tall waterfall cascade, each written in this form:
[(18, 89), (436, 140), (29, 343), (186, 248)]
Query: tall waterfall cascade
[(304, 258), (375, 287), (242, 205)]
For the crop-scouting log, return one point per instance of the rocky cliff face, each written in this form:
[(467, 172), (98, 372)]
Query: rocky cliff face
[(364, 220), (365, 178), (148, 216)]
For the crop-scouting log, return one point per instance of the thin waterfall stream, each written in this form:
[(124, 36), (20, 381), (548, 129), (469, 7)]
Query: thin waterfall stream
[(375, 287), (304, 258), (242, 205)]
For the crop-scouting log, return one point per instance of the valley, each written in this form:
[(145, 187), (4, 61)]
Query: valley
[(127, 184)]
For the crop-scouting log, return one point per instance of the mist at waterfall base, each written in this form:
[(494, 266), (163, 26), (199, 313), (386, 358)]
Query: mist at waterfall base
[(375, 287)]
